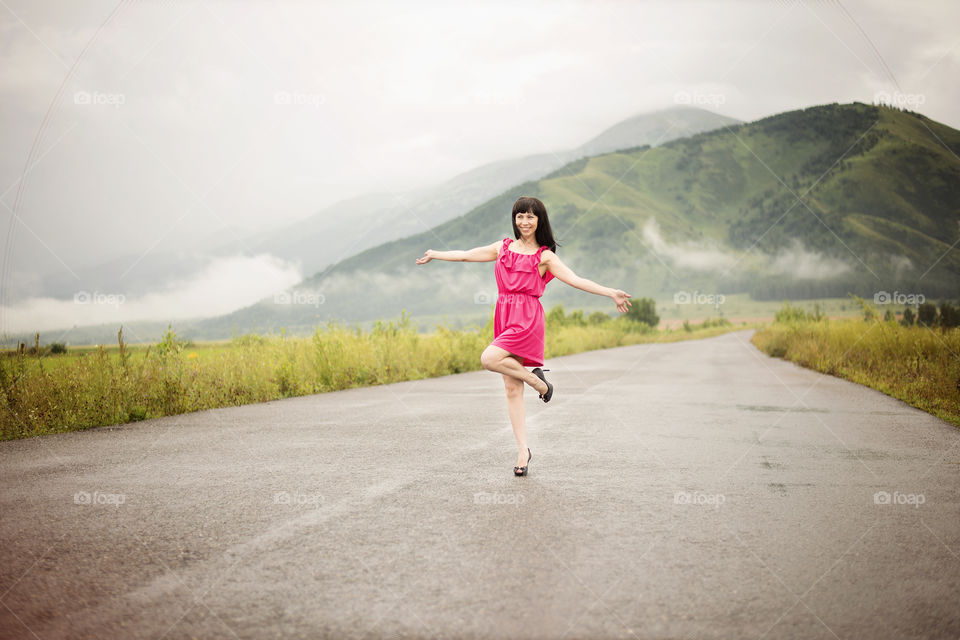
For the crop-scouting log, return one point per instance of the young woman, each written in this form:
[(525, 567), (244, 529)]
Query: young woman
[(524, 267)]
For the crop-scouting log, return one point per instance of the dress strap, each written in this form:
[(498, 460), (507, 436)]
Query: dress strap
[(540, 250)]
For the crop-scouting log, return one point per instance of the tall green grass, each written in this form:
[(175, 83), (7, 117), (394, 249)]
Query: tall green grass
[(41, 393), (918, 365)]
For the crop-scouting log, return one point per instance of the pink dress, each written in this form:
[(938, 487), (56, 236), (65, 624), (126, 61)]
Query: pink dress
[(518, 322)]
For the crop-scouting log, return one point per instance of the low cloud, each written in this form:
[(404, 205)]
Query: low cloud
[(456, 285), (802, 264), (697, 256), (225, 285), (795, 261), (900, 264)]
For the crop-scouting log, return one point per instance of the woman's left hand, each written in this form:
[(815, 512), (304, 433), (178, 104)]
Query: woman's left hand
[(620, 299)]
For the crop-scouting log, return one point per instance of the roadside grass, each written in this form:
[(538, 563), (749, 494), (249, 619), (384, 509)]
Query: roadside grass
[(98, 386), (918, 365)]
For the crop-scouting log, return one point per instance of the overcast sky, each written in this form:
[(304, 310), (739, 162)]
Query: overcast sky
[(177, 119)]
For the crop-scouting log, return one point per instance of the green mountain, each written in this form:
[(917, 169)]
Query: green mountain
[(818, 202)]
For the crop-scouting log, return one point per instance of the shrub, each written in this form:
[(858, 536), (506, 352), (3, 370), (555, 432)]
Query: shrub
[(949, 315), (788, 314), (248, 340), (597, 317), (908, 317), (576, 319), (556, 317), (927, 314), (719, 322), (644, 310)]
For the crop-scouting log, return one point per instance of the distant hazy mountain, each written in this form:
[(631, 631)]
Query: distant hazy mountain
[(330, 235)]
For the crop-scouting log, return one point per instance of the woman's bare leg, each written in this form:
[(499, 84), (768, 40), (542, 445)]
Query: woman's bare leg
[(518, 416), (500, 360)]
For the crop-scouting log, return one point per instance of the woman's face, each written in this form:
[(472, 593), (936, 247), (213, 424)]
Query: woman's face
[(527, 223)]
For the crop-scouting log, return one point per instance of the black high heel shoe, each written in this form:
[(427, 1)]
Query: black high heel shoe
[(549, 394), (522, 471)]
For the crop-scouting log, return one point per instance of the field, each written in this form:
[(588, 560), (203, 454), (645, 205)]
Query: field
[(919, 365), (100, 386), (737, 308), (103, 385)]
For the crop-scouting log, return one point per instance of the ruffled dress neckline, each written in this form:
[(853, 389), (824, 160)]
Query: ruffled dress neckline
[(539, 249)]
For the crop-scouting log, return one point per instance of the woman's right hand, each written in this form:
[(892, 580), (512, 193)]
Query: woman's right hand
[(427, 257), (620, 299)]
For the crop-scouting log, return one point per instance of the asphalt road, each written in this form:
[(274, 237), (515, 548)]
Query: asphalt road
[(689, 490)]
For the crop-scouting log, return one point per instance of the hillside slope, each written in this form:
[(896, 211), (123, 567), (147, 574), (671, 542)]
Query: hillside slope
[(818, 202), (815, 202)]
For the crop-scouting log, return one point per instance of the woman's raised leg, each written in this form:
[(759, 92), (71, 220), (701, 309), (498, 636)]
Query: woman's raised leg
[(497, 359)]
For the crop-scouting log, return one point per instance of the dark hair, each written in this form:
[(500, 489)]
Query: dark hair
[(543, 234)]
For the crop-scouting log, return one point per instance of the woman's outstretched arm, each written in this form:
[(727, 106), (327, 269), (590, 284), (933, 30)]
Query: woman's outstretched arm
[(565, 274), (487, 253)]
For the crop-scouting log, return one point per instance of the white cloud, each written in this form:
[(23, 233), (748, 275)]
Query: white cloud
[(795, 261), (802, 264), (225, 285), (698, 256), (900, 264)]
